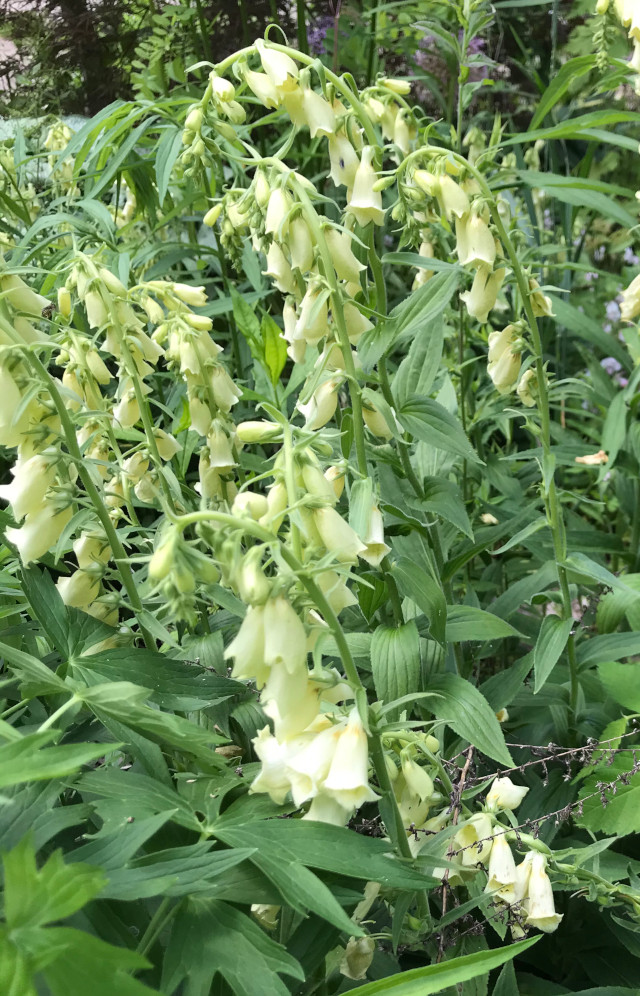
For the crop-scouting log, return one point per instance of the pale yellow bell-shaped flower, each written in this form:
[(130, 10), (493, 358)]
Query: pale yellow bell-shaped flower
[(318, 113), (356, 323), (317, 484), (300, 246), (347, 266), (337, 535), (527, 389), (503, 360), (375, 420), (279, 67), (375, 547), (503, 794), (32, 478), (540, 303), (357, 957), (40, 532), (348, 779), (321, 407), (478, 828), (336, 477), (630, 306), (290, 701), (541, 911), (167, 444), (344, 160), (335, 590), (249, 579), (262, 88), (365, 203), (309, 767), (220, 446), (247, 647), (127, 412), (484, 292), (225, 393), (475, 244), (277, 217), (629, 13), (325, 809), (279, 269), (277, 501), (257, 431), (273, 778), (78, 589), (284, 635), (417, 779), (502, 870), (20, 296)]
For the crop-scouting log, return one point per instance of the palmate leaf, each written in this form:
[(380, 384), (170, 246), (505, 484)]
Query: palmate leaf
[(29, 760), (212, 937)]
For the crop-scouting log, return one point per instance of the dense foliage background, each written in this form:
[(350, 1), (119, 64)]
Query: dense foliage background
[(319, 437)]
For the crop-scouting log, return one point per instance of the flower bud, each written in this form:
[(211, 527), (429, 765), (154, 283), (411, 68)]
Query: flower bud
[(504, 361), (258, 431), (345, 262), (162, 561), (223, 89), (64, 302), (505, 795), (193, 120), (212, 215), (262, 189), (322, 405), (375, 420), (540, 303), (78, 589), (318, 114), (167, 444), (356, 323), (337, 535), (365, 203), (277, 502), (418, 781), (195, 297), (527, 389), (300, 245), (250, 503), (336, 478), (316, 483), (253, 587), (91, 550), (312, 323)]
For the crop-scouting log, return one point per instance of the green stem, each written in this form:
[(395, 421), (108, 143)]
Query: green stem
[(301, 16), (49, 722), (164, 913)]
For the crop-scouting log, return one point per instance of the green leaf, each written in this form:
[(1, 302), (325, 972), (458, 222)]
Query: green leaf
[(47, 606), (35, 677), (562, 81), (137, 795), (325, 847), (622, 683), (573, 127), (501, 689), (33, 898), (88, 965), (169, 148), (173, 684), (614, 430), (418, 370), (275, 348), (15, 973), (581, 564), (180, 871), (430, 421), (552, 639), (465, 622), (443, 498), (621, 815), (395, 662), (422, 589), (209, 937), (612, 647), (570, 190), (23, 761), (416, 311), (436, 978), (469, 714)]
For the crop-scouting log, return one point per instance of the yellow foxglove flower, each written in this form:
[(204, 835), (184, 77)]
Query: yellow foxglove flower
[(337, 535), (504, 361), (365, 203), (630, 307), (344, 160), (262, 88), (40, 531), (400, 87), (91, 550), (335, 590), (313, 318), (32, 478), (541, 911), (477, 829), (273, 778), (348, 779), (503, 794), (528, 388), (285, 636), (375, 547), (277, 217), (251, 504), (318, 113), (317, 484), (266, 915), (336, 478), (375, 420), (356, 323), (167, 444), (540, 303), (20, 296), (277, 502), (502, 870), (279, 269), (79, 589), (220, 446), (347, 266), (484, 292), (257, 431), (475, 244), (325, 809), (291, 701), (322, 405), (310, 765), (417, 779), (300, 246), (279, 67), (249, 579), (225, 393), (247, 648)]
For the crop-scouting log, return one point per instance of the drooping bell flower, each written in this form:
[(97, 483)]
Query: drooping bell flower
[(475, 244), (32, 478), (541, 911), (279, 67), (40, 531), (484, 292), (344, 160), (375, 547), (262, 88), (365, 203), (322, 404), (527, 389), (346, 264), (503, 794), (337, 535), (502, 870), (348, 779), (474, 840), (540, 303), (503, 359)]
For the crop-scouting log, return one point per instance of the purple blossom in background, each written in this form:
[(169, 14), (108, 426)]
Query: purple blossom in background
[(547, 219), (598, 254), (590, 277), (607, 327), (612, 309), (610, 365), (317, 34), (421, 57), (630, 257)]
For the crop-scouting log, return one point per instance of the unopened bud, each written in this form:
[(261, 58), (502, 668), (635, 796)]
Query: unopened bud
[(64, 302), (194, 119), (212, 215)]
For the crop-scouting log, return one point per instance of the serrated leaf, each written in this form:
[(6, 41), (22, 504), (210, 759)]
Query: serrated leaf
[(469, 714), (88, 965), (24, 761), (35, 677), (430, 422), (552, 639), (395, 662), (621, 815)]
